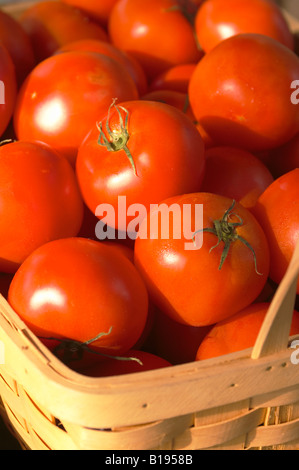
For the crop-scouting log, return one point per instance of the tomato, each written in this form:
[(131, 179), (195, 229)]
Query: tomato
[(175, 342), (277, 210), (156, 154), (196, 283), (18, 45), (78, 289), (98, 10), (285, 158), (133, 361), (132, 65), (176, 78), (155, 32), (217, 20), (40, 200), (235, 173), (51, 25), (244, 99), (8, 88), (238, 332), (175, 98), (65, 95)]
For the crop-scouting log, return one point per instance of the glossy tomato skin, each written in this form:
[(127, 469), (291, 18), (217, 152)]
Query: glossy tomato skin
[(130, 63), (8, 88), (18, 45), (51, 25), (217, 20), (238, 332), (235, 173), (65, 95), (40, 200), (234, 96), (176, 78), (168, 154), (112, 367), (136, 27), (277, 210), (77, 288), (187, 283), (99, 11)]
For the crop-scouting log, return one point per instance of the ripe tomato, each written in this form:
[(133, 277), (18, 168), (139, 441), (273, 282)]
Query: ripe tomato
[(39, 200), (238, 332), (175, 98), (136, 27), (285, 158), (217, 20), (8, 88), (99, 11), (18, 45), (176, 78), (142, 361), (149, 159), (132, 65), (65, 95), (201, 284), (235, 173), (77, 289), (50, 25), (175, 342), (235, 96), (277, 210)]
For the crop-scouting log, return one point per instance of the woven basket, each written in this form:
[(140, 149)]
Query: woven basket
[(245, 400)]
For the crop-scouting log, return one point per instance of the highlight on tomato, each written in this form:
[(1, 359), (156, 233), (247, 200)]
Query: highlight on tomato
[(39, 200), (238, 333), (144, 151), (215, 265), (82, 292), (8, 88), (277, 210), (65, 95), (217, 20), (136, 27), (234, 96)]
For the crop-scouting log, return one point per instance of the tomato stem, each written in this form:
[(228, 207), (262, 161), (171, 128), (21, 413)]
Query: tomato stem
[(225, 231), (118, 138), (73, 350)]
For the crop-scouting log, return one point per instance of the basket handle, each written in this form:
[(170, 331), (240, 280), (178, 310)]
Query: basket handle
[(274, 334)]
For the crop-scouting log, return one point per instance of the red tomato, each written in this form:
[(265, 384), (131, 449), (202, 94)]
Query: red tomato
[(148, 160), (235, 173), (98, 10), (244, 99), (238, 332), (155, 32), (132, 65), (137, 361), (201, 284), (78, 289), (51, 25), (39, 200), (285, 158), (65, 95), (18, 45), (176, 78), (217, 20), (175, 98), (8, 88), (277, 210), (175, 342)]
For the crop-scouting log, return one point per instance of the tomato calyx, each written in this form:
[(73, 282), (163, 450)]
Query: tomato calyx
[(73, 350), (225, 231), (118, 137)]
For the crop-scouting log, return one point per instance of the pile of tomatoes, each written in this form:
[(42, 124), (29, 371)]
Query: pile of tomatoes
[(174, 103)]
